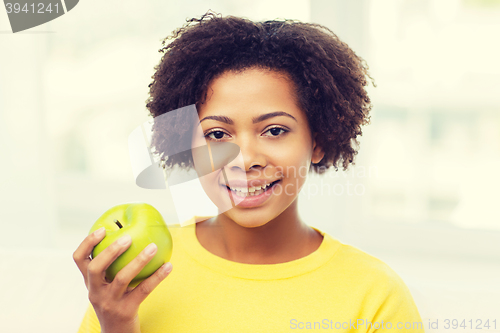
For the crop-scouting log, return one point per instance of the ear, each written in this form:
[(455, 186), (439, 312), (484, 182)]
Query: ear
[(318, 153)]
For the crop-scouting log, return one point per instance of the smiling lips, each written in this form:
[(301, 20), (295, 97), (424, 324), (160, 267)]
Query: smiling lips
[(251, 188)]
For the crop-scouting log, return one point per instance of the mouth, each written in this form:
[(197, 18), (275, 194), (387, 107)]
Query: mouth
[(244, 192)]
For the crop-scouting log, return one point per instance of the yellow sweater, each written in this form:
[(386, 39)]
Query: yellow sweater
[(337, 288)]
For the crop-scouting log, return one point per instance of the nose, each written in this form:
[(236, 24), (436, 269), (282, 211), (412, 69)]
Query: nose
[(251, 156)]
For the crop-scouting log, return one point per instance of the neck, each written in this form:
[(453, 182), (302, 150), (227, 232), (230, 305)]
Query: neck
[(285, 238)]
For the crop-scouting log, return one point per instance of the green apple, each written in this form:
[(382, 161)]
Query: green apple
[(145, 225)]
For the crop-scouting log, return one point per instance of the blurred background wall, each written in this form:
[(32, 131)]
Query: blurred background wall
[(423, 195)]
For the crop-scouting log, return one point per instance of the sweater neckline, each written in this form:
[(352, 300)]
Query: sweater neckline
[(304, 265)]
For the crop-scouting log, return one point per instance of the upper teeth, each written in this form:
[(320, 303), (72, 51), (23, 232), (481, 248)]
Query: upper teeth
[(250, 189)]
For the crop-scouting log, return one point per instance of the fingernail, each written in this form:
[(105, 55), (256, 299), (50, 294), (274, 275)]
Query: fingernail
[(150, 249), (99, 232), (166, 268), (124, 240)]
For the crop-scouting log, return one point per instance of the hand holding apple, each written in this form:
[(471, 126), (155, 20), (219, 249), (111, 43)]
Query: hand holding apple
[(114, 303), (145, 225)]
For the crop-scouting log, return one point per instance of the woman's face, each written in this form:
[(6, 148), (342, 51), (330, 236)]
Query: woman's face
[(256, 110)]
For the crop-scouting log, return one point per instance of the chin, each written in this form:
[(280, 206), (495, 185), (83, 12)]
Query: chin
[(253, 217)]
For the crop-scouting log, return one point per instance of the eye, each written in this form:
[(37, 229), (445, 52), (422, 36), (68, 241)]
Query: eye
[(215, 135), (276, 131)]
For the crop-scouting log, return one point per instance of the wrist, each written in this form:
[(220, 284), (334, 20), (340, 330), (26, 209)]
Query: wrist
[(133, 327)]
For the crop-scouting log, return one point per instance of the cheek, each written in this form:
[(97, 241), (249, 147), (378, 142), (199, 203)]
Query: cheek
[(216, 194), (293, 159), (293, 163)]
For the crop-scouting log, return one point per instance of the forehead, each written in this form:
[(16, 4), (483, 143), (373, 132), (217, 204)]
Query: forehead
[(252, 90)]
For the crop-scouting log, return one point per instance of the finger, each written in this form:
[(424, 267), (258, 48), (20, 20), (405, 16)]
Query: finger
[(129, 272), (142, 291), (81, 256), (96, 271)]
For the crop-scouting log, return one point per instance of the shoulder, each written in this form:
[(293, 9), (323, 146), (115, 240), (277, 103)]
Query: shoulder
[(174, 229), (185, 228), (366, 270), (179, 232), (383, 293)]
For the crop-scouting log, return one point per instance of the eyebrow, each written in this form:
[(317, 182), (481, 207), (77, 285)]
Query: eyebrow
[(265, 116), (222, 119), (255, 120)]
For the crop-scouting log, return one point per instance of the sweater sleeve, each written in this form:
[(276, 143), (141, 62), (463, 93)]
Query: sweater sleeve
[(90, 323)]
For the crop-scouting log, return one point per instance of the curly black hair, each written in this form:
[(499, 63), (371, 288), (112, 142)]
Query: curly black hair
[(329, 77)]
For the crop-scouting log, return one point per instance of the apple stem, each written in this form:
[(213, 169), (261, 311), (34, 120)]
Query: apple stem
[(119, 224)]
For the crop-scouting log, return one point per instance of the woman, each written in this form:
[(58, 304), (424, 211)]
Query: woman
[(291, 96)]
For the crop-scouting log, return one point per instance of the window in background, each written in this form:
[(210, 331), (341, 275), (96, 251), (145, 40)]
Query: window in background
[(435, 132)]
